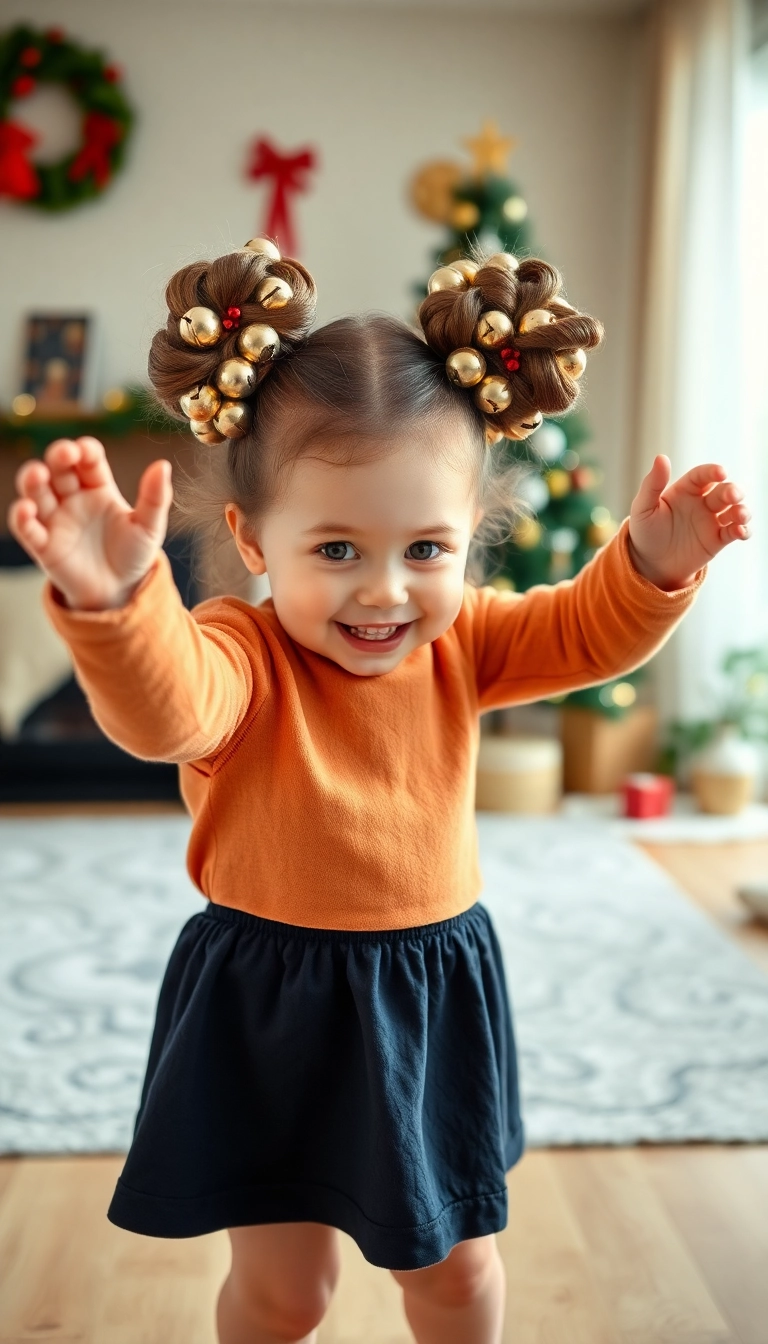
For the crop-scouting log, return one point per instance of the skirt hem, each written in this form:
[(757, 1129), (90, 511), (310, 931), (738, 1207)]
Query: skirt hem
[(387, 1247)]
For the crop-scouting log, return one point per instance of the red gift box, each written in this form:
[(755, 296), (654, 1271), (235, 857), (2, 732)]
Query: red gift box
[(648, 795)]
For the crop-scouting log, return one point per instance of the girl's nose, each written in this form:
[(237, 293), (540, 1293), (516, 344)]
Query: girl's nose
[(384, 588)]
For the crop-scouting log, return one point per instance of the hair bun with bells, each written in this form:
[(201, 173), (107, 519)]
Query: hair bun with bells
[(228, 321), (509, 338)]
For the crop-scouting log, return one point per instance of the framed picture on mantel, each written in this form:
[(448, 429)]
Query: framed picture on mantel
[(58, 362)]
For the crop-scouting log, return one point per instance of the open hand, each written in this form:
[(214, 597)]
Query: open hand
[(74, 523), (676, 529)]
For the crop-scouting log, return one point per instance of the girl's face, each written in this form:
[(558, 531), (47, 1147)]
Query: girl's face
[(367, 562)]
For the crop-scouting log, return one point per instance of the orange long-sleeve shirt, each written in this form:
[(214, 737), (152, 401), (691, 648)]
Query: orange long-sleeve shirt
[(328, 800)]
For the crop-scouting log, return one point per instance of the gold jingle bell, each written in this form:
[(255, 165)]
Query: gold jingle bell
[(234, 419), (201, 403), (493, 328), (201, 327), (205, 431), (465, 367), (446, 277), (503, 261), (525, 427), (264, 246), (274, 292), (236, 378), (258, 343), (494, 394), (467, 268), (572, 362), (537, 317)]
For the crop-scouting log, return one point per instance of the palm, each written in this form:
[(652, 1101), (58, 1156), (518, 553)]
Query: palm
[(677, 529), (80, 530)]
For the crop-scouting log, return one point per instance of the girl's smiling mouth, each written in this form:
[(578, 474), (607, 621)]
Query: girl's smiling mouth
[(382, 637)]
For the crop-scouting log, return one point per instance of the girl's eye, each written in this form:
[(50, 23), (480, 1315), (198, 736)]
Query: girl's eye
[(338, 550), (423, 550)]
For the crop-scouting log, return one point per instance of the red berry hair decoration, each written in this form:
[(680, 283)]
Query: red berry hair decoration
[(231, 320), (510, 359), (29, 57)]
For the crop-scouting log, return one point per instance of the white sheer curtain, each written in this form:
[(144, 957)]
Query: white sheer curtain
[(690, 356)]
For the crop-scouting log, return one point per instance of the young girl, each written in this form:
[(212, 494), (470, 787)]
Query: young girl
[(333, 1045)]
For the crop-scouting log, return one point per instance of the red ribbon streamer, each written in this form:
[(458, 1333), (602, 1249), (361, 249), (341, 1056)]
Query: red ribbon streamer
[(288, 172), (18, 177), (101, 134)]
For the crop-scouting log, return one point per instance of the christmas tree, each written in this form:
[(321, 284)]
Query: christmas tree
[(565, 521)]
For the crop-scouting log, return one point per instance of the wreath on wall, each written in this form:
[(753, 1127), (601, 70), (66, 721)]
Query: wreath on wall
[(29, 57)]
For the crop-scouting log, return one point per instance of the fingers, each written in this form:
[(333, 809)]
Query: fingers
[(734, 532), (704, 476), (25, 526), (723, 495), (653, 485), (67, 466), (153, 500), (33, 482)]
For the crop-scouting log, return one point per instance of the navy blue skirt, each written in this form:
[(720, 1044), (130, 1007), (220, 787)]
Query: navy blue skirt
[(367, 1081)]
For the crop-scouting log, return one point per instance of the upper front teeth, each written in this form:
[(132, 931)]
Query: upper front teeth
[(373, 631)]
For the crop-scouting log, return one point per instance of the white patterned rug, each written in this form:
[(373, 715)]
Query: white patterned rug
[(635, 1019)]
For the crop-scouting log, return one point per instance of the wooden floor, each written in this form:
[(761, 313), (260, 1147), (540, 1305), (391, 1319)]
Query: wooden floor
[(647, 1245)]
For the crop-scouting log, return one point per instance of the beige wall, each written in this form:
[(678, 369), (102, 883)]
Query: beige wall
[(379, 92)]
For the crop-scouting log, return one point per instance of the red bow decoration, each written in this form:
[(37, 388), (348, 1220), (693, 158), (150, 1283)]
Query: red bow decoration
[(18, 177), (101, 134), (288, 171)]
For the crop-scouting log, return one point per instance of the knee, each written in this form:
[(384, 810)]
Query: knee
[(461, 1279), (286, 1311)]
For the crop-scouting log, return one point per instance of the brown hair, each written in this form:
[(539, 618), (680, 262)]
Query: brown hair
[(343, 391)]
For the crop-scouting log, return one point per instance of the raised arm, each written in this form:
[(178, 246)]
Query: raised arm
[(606, 621), (162, 683)]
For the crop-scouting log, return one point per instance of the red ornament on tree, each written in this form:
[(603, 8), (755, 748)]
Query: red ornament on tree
[(288, 172), (30, 57), (112, 73), (18, 178), (55, 35)]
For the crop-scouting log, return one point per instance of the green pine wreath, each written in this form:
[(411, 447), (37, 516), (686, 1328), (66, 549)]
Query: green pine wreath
[(29, 56)]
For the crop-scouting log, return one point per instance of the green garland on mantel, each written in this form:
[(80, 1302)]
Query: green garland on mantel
[(29, 435)]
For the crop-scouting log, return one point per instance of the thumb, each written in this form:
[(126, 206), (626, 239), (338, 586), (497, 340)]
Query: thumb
[(153, 499), (653, 485)]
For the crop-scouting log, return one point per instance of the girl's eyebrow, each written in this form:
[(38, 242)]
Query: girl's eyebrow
[(343, 529)]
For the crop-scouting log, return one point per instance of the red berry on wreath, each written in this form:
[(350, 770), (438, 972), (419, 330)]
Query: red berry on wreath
[(55, 34), (112, 73), (30, 57), (22, 86)]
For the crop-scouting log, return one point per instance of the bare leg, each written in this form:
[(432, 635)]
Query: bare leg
[(461, 1299), (280, 1283)]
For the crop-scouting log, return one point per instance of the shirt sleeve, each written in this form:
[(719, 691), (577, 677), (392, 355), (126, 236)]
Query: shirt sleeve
[(561, 637), (164, 683)]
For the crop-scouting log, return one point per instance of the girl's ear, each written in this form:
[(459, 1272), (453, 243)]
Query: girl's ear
[(250, 551)]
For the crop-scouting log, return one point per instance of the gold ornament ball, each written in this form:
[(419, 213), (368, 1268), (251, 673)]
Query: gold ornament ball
[(205, 431), (514, 209), (468, 269), (274, 292), (493, 394), (201, 403), (558, 483), (23, 404), (432, 189), (236, 378), (572, 362), (446, 277), (537, 317), (503, 261), (493, 329), (115, 399), (258, 343), (264, 246), (234, 419), (464, 216), (525, 427), (201, 327), (527, 534), (465, 367)]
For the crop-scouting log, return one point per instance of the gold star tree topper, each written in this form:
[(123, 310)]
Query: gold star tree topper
[(490, 150)]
